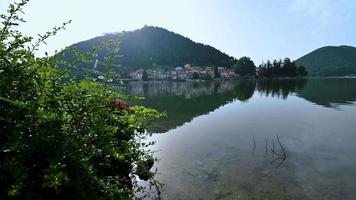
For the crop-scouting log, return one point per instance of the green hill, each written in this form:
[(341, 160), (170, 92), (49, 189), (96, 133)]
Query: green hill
[(330, 61), (154, 47)]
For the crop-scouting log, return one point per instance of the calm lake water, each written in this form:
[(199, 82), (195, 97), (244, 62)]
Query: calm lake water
[(219, 140)]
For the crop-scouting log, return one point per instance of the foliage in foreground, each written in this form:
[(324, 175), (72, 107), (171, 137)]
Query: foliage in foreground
[(60, 137)]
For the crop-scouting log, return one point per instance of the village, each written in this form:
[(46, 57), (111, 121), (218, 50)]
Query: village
[(186, 73)]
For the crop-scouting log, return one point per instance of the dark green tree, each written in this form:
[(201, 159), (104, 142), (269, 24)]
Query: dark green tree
[(207, 77), (302, 71), (195, 75), (216, 73), (278, 68), (145, 76), (245, 67)]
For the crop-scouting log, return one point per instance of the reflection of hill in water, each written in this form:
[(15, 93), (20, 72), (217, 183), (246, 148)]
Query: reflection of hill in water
[(185, 100), (330, 92)]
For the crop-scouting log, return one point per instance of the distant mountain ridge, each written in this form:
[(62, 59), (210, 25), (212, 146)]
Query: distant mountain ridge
[(153, 47), (330, 61)]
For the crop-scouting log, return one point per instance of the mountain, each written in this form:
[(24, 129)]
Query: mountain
[(330, 61), (153, 47)]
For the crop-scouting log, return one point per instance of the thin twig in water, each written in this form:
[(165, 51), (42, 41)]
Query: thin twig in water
[(284, 155), (272, 150), (280, 144), (276, 154), (254, 144), (266, 147)]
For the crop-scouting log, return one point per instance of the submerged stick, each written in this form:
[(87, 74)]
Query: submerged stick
[(266, 147), (284, 152), (254, 143), (283, 157), (272, 150)]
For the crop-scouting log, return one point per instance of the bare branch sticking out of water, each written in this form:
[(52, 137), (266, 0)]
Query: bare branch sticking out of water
[(277, 154), (284, 154), (266, 147), (254, 144), (280, 156), (272, 150)]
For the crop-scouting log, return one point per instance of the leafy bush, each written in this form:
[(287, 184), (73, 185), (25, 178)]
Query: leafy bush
[(61, 137)]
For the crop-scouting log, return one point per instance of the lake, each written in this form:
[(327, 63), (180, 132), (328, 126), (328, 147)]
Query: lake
[(286, 139)]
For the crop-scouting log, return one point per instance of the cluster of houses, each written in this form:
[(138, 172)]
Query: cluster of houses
[(187, 72)]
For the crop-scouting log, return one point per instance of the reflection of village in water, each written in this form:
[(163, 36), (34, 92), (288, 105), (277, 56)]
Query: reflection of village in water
[(187, 99), (186, 89), (191, 99)]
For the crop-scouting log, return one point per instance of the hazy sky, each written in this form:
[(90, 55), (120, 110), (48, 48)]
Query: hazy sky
[(260, 29)]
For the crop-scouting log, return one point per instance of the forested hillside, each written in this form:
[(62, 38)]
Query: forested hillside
[(330, 61), (153, 47)]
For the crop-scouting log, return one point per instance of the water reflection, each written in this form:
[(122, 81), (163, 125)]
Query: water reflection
[(280, 88), (185, 100), (330, 92), (221, 152)]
